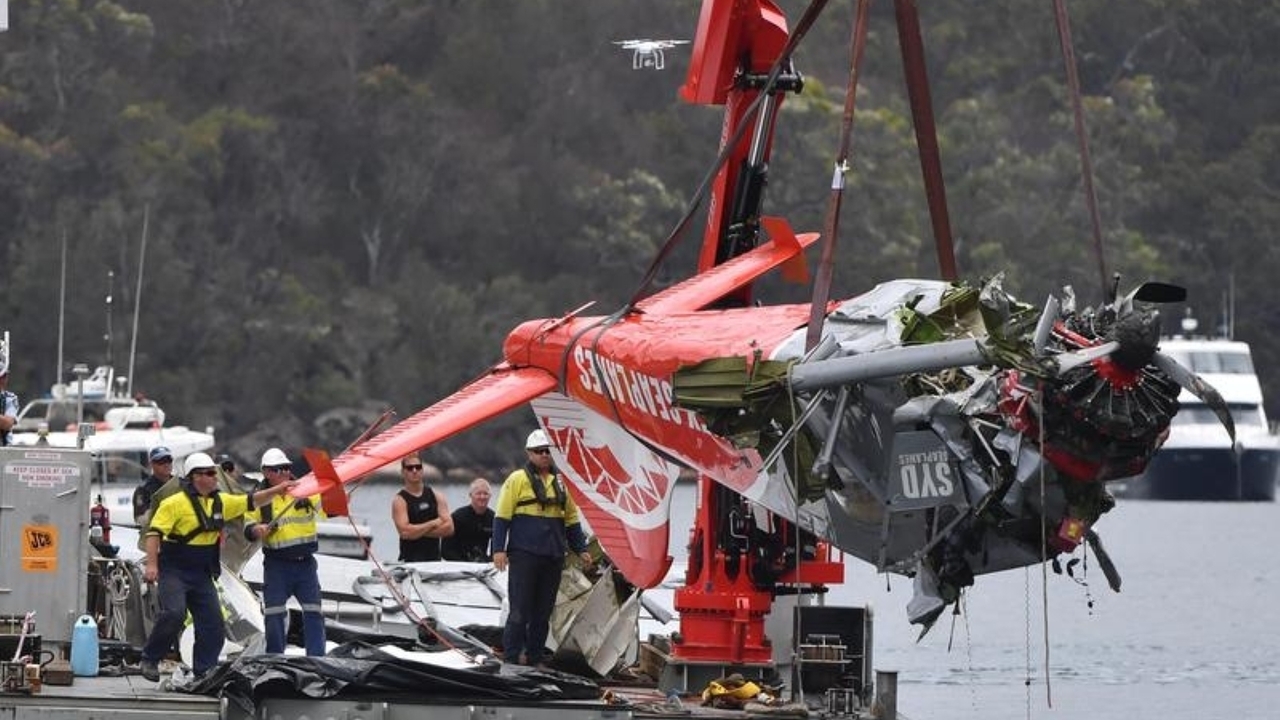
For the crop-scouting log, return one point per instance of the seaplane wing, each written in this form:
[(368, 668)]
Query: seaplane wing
[(495, 393), (784, 250)]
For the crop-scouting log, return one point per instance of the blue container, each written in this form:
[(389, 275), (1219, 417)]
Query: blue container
[(84, 647)]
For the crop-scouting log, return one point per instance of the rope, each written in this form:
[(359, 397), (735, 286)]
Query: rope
[(831, 224), (118, 587), (1026, 616), (1044, 550), (1082, 136), (406, 606)]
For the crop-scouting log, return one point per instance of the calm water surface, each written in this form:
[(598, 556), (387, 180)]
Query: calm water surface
[(1194, 633)]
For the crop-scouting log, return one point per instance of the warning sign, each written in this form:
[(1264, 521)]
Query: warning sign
[(41, 475), (39, 548)]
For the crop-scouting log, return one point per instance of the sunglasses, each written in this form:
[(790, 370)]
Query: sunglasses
[(541, 451), (162, 461), (207, 473), (411, 468), (278, 468)]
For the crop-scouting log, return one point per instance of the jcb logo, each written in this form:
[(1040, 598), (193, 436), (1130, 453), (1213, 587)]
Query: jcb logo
[(37, 540), (922, 481)]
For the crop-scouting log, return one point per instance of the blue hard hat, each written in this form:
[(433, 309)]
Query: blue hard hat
[(160, 453)]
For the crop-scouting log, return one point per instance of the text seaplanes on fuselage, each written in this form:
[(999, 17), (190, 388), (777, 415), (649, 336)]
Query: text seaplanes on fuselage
[(628, 386), (926, 474)]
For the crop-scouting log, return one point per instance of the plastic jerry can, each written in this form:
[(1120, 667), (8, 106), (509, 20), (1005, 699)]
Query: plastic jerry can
[(84, 647)]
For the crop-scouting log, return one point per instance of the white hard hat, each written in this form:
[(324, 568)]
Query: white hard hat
[(537, 439), (198, 461), (274, 457)]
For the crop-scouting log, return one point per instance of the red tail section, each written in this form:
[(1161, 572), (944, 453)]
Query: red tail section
[(784, 250), (501, 390), (334, 496)]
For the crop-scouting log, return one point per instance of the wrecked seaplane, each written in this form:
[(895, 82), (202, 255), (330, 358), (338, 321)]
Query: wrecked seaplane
[(932, 428), (938, 430)]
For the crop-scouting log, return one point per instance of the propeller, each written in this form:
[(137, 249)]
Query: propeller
[(1133, 338)]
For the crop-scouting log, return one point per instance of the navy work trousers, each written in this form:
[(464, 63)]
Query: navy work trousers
[(184, 589), (532, 582), (297, 578)]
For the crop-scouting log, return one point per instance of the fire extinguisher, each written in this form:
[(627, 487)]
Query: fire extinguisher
[(100, 517)]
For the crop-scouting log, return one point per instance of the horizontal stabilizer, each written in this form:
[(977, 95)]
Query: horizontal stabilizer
[(503, 389), (699, 291), (333, 496)]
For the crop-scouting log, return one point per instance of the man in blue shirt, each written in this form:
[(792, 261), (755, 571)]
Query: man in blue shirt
[(8, 401)]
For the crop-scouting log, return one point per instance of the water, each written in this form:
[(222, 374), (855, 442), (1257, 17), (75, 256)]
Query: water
[(1194, 633)]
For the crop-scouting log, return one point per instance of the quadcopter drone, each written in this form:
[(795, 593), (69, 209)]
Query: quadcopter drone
[(648, 53)]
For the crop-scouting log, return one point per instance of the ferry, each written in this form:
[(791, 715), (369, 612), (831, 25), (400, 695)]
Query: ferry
[(1198, 461)]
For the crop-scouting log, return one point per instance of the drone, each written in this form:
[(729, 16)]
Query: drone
[(648, 53)]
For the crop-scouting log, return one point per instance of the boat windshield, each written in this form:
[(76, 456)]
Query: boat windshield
[(1244, 415), (121, 469), (60, 414), (1216, 362)]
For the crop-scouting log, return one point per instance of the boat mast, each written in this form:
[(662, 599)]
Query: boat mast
[(111, 284), (137, 297), (62, 303)]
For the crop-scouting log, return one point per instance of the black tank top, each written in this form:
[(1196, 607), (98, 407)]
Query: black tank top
[(421, 509)]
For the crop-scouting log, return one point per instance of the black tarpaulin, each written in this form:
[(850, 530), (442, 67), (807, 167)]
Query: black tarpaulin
[(359, 670)]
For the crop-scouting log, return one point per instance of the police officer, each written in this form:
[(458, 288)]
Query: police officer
[(287, 528), (534, 522), (182, 545)]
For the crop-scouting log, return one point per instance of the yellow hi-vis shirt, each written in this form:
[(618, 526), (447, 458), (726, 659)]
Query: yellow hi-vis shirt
[(176, 516), (294, 525)]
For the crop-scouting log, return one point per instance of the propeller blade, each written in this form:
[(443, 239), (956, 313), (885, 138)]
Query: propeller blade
[(1071, 360), (1104, 560), (1158, 292), (1198, 387)]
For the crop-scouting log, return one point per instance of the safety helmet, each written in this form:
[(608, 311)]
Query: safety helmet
[(274, 457), (198, 461), (537, 439)]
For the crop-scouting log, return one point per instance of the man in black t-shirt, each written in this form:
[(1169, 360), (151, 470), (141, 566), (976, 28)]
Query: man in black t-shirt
[(472, 526), (420, 513)]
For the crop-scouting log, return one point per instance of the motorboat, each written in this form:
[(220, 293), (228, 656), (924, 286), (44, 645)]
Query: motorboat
[(1198, 461), (119, 430)]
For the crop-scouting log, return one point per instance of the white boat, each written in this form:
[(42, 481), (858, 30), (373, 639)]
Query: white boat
[(118, 430), (1198, 460)]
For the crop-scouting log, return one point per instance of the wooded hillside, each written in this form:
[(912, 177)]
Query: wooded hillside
[(349, 203)]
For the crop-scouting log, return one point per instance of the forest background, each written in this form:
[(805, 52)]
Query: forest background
[(349, 203)]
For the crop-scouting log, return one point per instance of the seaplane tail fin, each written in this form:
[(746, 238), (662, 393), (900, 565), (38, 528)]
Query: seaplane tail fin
[(493, 394), (785, 249), (622, 487), (333, 497)]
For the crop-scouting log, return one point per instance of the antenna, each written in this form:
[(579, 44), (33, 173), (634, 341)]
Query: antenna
[(62, 303), (137, 296), (111, 283)]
